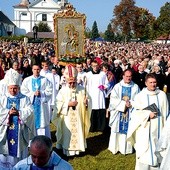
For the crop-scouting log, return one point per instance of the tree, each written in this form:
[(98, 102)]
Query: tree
[(143, 24), (87, 32), (94, 32), (163, 21), (124, 16), (109, 33), (43, 27)]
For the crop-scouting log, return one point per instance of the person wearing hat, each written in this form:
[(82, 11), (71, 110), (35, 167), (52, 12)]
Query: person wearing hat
[(39, 90), (72, 115), (17, 125)]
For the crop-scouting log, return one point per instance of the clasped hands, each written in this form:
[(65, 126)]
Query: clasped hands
[(74, 103), (128, 104), (37, 93), (13, 111)]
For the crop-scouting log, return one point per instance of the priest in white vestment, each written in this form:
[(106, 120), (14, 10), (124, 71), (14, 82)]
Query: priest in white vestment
[(39, 90), (120, 107), (16, 123), (146, 124), (72, 115)]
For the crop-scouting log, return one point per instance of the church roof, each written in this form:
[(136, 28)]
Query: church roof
[(36, 2), (5, 19)]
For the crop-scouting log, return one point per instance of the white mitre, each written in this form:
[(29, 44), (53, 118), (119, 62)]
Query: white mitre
[(12, 77)]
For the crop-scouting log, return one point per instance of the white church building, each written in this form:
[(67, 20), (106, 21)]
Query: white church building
[(27, 14)]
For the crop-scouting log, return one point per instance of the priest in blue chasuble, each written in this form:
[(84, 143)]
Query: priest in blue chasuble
[(16, 123), (121, 106), (39, 90)]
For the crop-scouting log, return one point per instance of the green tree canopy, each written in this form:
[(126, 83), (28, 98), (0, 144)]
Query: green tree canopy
[(43, 27), (143, 24), (95, 32), (109, 33), (162, 24)]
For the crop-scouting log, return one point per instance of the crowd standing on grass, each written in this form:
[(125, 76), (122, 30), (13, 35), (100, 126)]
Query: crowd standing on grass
[(44, 81)]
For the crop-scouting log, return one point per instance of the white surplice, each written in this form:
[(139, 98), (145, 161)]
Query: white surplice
[(97, 95)]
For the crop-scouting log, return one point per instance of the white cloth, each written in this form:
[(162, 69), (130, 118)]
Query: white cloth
[(72, 125), (118, 141), (144, 134), (45, 91), (55, 160), (3, 87), (50, 76), (26, 129), (81, 78), (163, 147), (97, 95)]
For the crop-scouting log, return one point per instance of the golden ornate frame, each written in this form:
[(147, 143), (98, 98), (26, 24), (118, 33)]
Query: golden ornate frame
[(69, 28)]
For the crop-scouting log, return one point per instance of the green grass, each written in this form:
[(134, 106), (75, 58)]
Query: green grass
[(98, 157)]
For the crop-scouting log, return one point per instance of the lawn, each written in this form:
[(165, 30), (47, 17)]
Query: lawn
[(97, 156)]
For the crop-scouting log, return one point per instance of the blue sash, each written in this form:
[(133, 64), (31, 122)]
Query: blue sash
[(36, 84), (124, 117), (12, 130)]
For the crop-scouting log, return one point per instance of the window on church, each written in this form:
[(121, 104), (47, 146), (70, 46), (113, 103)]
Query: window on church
[(24, 13), (44, 17)]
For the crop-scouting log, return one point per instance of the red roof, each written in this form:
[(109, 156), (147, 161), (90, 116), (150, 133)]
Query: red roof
[(163, 37)]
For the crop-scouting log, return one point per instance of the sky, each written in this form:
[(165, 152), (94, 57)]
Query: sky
[(100, 11)]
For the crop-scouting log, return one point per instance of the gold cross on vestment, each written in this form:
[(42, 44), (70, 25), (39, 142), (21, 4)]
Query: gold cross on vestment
[(13, 105), (12, 141), (12, 127)]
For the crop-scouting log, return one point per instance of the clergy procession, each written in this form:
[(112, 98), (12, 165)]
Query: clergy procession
[(92, 99)]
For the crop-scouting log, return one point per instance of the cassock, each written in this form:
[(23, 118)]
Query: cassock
[(143, 132), (120, 116), (15, 131), (97, 94), (72, 123), (40, 103)]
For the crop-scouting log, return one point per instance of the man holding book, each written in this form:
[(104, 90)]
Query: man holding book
[(147, 121)]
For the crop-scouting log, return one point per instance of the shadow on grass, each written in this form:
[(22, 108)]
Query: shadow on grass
[(96, 143)]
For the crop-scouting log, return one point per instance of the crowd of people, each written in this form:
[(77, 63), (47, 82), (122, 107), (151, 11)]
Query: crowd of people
[(124, 86)]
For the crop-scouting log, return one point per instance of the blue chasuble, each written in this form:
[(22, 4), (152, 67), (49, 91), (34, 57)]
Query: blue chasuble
[(12, 130), (124, 117), (36, 84)]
